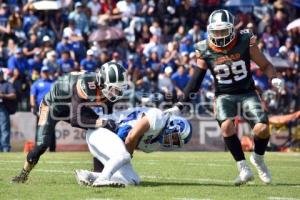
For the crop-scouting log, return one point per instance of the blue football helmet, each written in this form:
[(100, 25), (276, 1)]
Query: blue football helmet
[(177, 132)]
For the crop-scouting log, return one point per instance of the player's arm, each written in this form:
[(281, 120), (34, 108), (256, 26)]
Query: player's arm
[(259, 58), (192, 86), (141, 127)]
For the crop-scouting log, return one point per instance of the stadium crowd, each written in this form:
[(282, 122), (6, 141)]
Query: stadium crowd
[(152, 39)]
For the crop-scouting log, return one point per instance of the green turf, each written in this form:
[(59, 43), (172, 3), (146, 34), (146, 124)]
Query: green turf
[(175, 176)]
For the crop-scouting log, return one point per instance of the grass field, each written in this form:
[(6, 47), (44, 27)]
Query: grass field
[(174, 176)]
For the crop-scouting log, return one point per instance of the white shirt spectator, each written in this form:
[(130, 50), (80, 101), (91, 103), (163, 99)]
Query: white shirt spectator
[(127, 8)]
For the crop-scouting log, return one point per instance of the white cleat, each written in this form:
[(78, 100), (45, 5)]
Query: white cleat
[(102, 182), (84, 177), (263, 172), (245, 175)]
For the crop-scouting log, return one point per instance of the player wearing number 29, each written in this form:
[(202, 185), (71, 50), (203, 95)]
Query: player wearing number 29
[(71, 99), (227, 54)]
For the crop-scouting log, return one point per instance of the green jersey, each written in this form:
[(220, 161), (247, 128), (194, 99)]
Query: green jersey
[(61, 91), (230, 67)]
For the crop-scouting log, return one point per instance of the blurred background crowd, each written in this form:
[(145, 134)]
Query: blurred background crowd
[(154, 40)]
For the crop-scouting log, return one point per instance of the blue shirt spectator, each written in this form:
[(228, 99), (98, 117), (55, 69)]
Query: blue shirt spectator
[(35, 63), (41, 87), (186, 44), (80, 18), (66, 64), (17, 61), (64, 45), (88, 64), (261, 80), (180, 78)]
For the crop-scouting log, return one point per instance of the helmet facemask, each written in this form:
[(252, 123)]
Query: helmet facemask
[(220, 34), (114, 91), (176, 133)]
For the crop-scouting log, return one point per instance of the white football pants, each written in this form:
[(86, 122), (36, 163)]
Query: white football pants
[(107, 147)]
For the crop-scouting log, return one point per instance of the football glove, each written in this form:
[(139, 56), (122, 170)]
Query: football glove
[(21, 178), (278, 84)]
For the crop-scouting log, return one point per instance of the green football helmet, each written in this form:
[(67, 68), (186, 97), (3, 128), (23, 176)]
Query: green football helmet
[(112, 79), (220, 28)]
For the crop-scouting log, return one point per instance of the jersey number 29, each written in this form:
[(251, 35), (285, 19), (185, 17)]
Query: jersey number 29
[(238, 69)]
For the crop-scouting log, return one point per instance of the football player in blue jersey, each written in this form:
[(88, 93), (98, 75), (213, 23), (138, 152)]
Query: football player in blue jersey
[(147, 129)]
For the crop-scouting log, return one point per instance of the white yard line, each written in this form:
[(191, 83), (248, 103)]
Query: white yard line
[(282, 198), (187, 198)]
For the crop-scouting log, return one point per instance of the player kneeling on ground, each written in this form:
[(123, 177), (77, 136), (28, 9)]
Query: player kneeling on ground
[(147, 129)]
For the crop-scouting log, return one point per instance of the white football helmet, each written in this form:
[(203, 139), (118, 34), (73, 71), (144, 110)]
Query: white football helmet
[(220, 28), (177, 132)]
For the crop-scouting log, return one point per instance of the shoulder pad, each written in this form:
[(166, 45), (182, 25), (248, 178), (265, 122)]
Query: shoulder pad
[(248, 34), (200, 48)]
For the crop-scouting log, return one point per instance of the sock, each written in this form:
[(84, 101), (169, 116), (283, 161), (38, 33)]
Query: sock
[(98, 166), (260, 145), (235, 147)]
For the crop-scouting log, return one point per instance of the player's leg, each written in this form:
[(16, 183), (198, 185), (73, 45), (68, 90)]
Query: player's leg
[(107, 147), (226, 109), (46, 127), (257, 118)]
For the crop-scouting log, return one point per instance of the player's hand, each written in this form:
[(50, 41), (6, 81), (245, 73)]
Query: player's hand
[(110, 125), (278, 84)]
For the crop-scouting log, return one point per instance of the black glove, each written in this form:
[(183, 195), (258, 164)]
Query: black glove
[(110, 125), (21, 178)]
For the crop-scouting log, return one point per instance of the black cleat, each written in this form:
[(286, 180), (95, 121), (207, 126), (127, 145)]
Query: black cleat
[(21, 178)]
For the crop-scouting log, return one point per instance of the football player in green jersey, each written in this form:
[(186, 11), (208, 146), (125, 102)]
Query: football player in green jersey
[(227, 54), (72, 99)]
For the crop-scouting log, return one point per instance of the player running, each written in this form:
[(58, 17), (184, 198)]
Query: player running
[(147, 129), (227, 54), (71, 99)]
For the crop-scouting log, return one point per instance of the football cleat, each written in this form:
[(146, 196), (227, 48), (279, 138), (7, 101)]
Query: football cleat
[(259, 164), (102, 182), (21, 178), (85, 177), (245, 175)]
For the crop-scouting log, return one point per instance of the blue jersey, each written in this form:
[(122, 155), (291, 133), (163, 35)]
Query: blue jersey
[(157, 121)]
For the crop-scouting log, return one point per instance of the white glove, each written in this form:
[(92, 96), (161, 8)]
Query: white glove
[(278, 83)]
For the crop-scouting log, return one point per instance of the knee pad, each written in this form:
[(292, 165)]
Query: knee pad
[(34, 155)]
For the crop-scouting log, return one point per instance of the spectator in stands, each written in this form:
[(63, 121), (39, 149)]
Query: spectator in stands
[(180, 79), (88, 64), (66, 63), (165, 84), (261, 80), (51, 62), (154, 46), (7, 94), (196, 33), (127, 8), (32, 45), (64, 45), (34, 66), (18, 62), (187, 44), (80, 18), (262, 9)]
